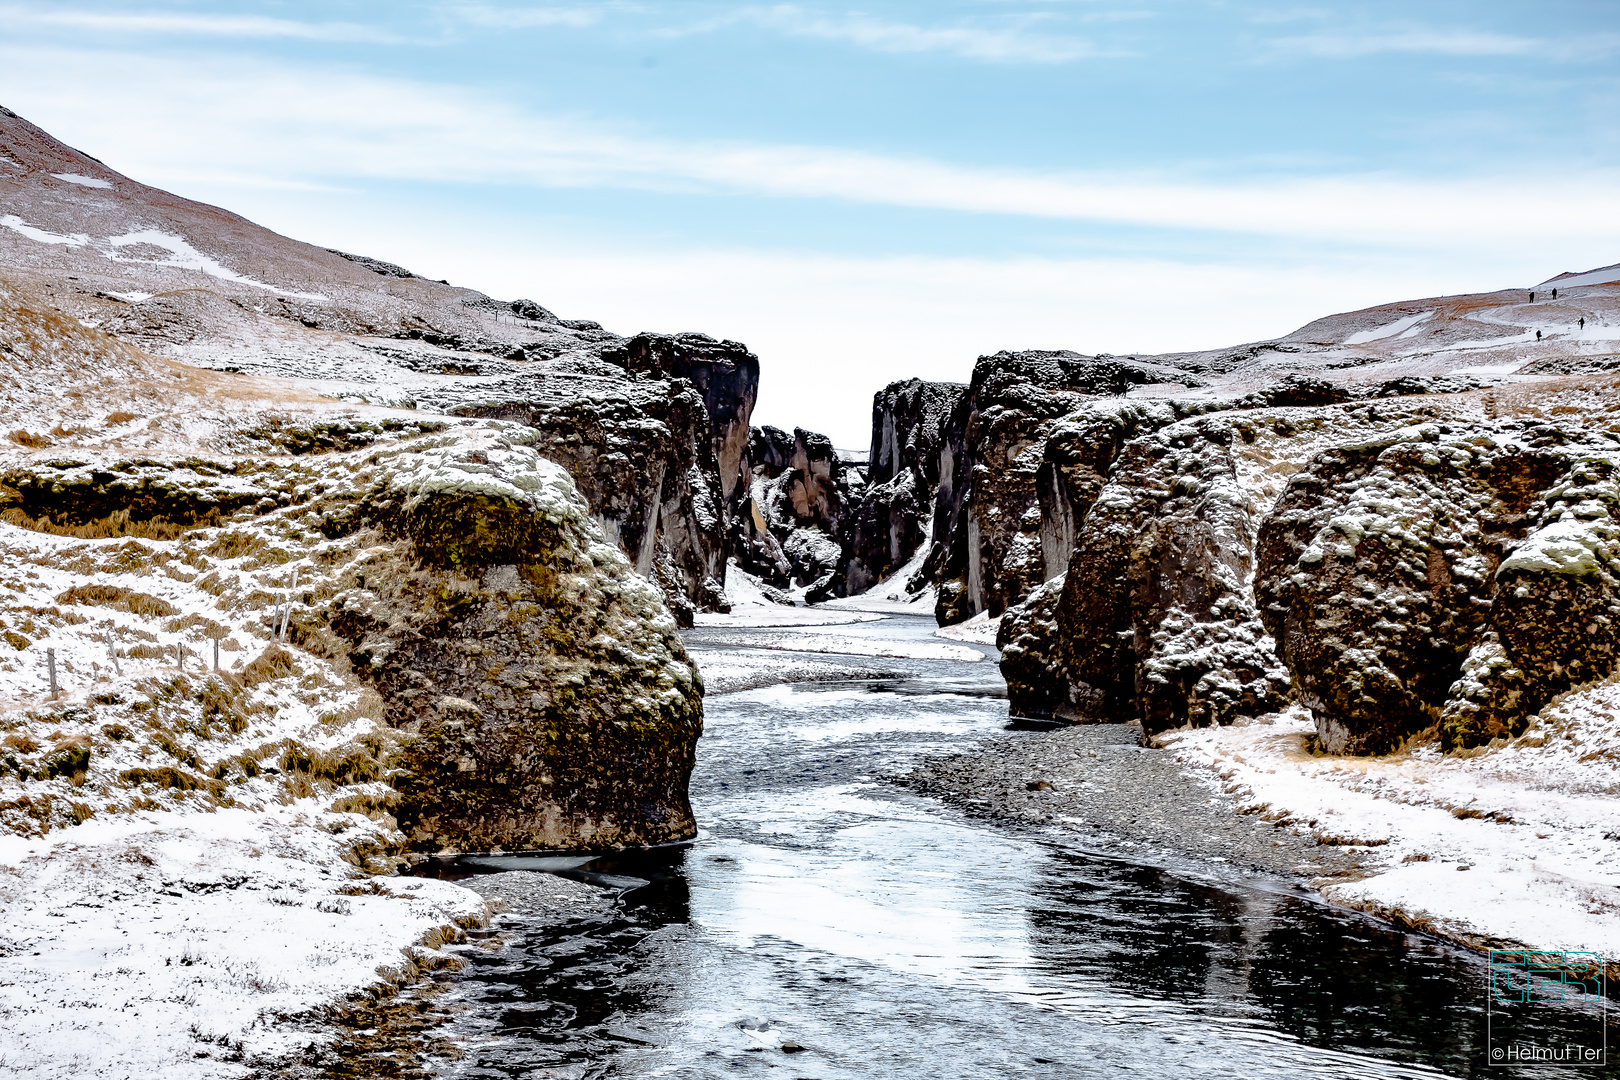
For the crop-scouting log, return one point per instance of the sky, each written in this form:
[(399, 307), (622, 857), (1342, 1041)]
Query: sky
[(870, 191)]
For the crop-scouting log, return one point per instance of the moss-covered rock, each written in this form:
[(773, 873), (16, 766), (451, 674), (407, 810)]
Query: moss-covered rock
[(1455, 577), (1152, 620), (538, 688)]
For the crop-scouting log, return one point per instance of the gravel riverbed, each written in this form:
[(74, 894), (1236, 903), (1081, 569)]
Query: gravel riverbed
[(1098, 784)]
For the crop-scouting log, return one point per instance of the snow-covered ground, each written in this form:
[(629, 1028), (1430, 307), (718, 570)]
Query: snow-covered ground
[(980, 630), (1518, 842), (178, 942), (187, 858), (752, 607)]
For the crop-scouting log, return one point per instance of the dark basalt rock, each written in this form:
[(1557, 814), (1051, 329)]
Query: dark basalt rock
[(655, 434), (891, 519), (789, 526), (987, 495), (1295, 391), (1152, 620), (1442, 576)]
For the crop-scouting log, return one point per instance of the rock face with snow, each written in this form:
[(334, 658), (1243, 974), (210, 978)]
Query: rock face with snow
[(1451, 576), (790, 527), (533, 690), (1152, 619), (654, 432), (893, 516), (986, 552), (653, 428)]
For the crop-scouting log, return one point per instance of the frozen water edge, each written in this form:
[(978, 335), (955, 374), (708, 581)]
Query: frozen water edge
[(1510, 845)]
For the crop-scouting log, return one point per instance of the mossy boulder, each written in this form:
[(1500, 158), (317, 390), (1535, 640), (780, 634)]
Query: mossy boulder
[(1152, 620), (1450, 577), (537, 688)]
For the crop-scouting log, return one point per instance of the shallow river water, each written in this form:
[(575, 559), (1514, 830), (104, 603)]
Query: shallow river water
[(828, 909)]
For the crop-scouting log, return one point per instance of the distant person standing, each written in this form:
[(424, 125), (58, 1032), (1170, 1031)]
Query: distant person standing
[(1532, 296), (1538, 335), (1583, 322), (1555, 294)]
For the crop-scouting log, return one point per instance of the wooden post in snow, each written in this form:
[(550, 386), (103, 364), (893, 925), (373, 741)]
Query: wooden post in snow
[(112, 651), (286, 614), (50, 668)]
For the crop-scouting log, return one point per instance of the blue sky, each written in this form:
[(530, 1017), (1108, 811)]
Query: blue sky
[(867, 191)]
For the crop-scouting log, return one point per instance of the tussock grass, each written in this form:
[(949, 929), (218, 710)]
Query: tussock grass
[(119, 599), (117, 523), (274, 663)]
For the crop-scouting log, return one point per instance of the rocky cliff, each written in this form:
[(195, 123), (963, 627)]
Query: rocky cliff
[(791, 527), (652, 427), (476, 665), (986, 548), (1408, 565), (894, 516)]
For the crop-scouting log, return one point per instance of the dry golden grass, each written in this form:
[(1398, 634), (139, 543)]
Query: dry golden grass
[(29, 439), (120, 599), (114, 524)]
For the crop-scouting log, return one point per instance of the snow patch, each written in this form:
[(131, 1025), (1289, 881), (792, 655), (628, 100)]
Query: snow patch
[(181, 255), (185, 257), (1591, 277), (82, 181), (1507, 843), (980, 630), (1388, 329), (21, 227)]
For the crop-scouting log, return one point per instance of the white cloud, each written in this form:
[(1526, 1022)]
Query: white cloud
[(1014, 41), (267, 123), (1347, 45), (525, 17), (235, 26)]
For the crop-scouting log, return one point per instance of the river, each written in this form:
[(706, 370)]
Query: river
[(831, 924)]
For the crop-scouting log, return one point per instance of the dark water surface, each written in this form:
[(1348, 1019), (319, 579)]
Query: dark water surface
[(892, 938)]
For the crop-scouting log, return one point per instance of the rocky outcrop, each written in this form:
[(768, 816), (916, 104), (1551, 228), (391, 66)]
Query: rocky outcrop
[(530, 689), (1152, 619), (540, 692), (986, 550), (1451, 576), (654, 433), (893, 518), (790, 526)]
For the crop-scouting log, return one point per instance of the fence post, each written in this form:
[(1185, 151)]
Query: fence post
[(180, 656), (112, 651), (216, 654), (286, 615), (50, 667)]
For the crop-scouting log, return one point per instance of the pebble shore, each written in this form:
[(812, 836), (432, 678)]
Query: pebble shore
[(1098, 785)]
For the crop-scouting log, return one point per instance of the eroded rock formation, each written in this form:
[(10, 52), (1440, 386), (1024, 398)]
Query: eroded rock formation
[(790, 527), (654, 432), (985, 552), (1450, 575), (541, 693), (1152, 619), (893, 517), (532, 689)]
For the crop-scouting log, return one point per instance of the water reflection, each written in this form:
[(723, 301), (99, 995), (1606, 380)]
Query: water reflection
[(889, 938)]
